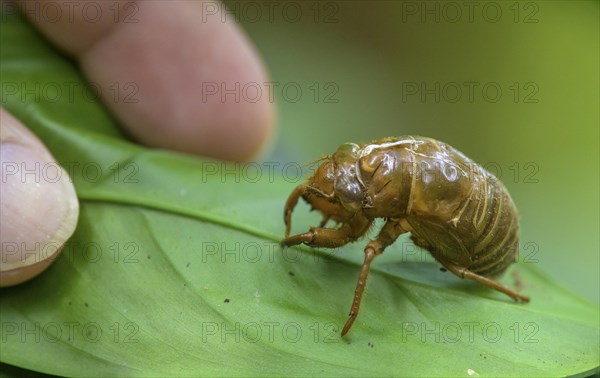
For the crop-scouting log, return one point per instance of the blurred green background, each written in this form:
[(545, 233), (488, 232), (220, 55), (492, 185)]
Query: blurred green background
[(369, 69)]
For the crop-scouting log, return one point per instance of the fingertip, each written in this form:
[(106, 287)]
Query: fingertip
[(191, 85), (39, 204), (156, 65)]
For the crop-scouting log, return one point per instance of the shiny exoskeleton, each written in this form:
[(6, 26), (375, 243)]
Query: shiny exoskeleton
[(452, 207)]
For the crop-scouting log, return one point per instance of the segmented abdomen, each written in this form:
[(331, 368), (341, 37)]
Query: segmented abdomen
[(489, 226), (457, 210)]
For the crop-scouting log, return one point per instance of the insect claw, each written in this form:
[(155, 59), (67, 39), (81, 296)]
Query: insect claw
[(348, 324), (289, 207), (305, 238)]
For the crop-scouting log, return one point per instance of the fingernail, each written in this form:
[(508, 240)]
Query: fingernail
[(39, 204)]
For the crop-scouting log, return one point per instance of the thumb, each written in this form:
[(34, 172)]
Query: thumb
[(39, 204)]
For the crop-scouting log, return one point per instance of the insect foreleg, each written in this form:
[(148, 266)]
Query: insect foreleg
[(321, 237), (289, 207), (331, 237), (466, 273), (388, 234)]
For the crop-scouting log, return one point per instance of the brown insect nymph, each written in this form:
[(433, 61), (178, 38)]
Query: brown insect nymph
[(452, 207)]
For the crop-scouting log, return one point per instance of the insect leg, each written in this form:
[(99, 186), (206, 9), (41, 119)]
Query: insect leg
[(466, 273), (331, 237), (289, 207), (321, 237), (388, 234)]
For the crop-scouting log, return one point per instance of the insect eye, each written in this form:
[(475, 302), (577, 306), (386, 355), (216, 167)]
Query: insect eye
[(346, 152), (348, 188)]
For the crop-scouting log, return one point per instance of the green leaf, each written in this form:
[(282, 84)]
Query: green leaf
[(174, 270)]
